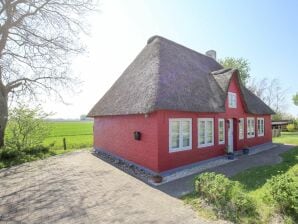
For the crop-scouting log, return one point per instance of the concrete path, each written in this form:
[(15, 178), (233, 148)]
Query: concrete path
[(184, 185), (80, 188)]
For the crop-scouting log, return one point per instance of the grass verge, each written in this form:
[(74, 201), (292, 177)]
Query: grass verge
[(272, 188), (287, 138)]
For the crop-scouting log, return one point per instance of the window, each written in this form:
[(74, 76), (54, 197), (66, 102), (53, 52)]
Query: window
[(241, 128), (232, 98), (250, 127), (221, 131), (261, 126), (205, 132), (180, 134)]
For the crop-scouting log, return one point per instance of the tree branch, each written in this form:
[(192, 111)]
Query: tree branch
[(37, 42)]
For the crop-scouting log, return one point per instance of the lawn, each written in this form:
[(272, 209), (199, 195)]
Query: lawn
[(287, 138), (77, 134), (255, 183), (255, 178)]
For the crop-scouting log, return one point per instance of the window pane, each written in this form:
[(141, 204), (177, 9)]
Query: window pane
[(209, 137), (175, 141), (186, 133), (202, 132), (249, 127), (186, 141), (175, 126), (221, 136), (185, 127), (253, 127), (175, 129), (230, 100), (241, 129), (209, 131), (202, 138), (221, 131)]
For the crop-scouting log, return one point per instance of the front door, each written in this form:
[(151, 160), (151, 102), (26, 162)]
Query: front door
[(230, 136)]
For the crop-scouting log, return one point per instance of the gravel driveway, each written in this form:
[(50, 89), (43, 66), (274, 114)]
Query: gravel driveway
[(80, 188)]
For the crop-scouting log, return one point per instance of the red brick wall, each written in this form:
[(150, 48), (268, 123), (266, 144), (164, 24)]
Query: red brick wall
[(115, 134)]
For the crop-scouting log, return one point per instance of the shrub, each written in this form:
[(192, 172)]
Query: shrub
[(294, 171), (291, 127), (284, 191), (36, 150), (213, 187), (10, 154), (295, 122), (241, 204), (26, 127), (225, 195)]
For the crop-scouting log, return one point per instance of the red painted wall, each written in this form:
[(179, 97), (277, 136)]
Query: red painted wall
[(115, 134), (167, 160)]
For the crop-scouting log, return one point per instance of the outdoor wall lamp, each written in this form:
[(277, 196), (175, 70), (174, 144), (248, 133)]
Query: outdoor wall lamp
[(137, 135)]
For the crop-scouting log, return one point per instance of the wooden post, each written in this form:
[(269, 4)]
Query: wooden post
[(64, 143)]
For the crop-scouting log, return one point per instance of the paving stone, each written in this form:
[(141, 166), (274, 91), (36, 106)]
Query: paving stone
[(80, 188)]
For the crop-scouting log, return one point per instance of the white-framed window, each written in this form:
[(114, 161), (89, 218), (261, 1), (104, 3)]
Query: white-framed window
[(205, 132), (261, 125), (241, 128), (221, 131), (232, 98), (180, 133), (250, 127)]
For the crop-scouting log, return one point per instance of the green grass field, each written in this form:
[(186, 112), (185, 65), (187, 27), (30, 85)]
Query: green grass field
[(287, 138), (77, 134)]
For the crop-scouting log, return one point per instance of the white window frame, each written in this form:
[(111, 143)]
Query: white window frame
[(241, 128), (251, 132), (205, 136), (223, 126), (232, 100), (181, 148), (261, 123)]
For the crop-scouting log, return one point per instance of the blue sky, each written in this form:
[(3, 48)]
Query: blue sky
[(263, 32)]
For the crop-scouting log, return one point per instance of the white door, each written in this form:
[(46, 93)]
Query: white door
[(230, 136)]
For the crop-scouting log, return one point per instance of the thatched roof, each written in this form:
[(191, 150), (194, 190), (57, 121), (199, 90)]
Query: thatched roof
[(252, 103), (166, 75)]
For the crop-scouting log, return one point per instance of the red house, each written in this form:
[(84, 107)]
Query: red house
[(173, 106)]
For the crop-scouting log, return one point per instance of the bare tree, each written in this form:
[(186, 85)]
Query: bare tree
[(259, 88), (270, 91), (37, 40)]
